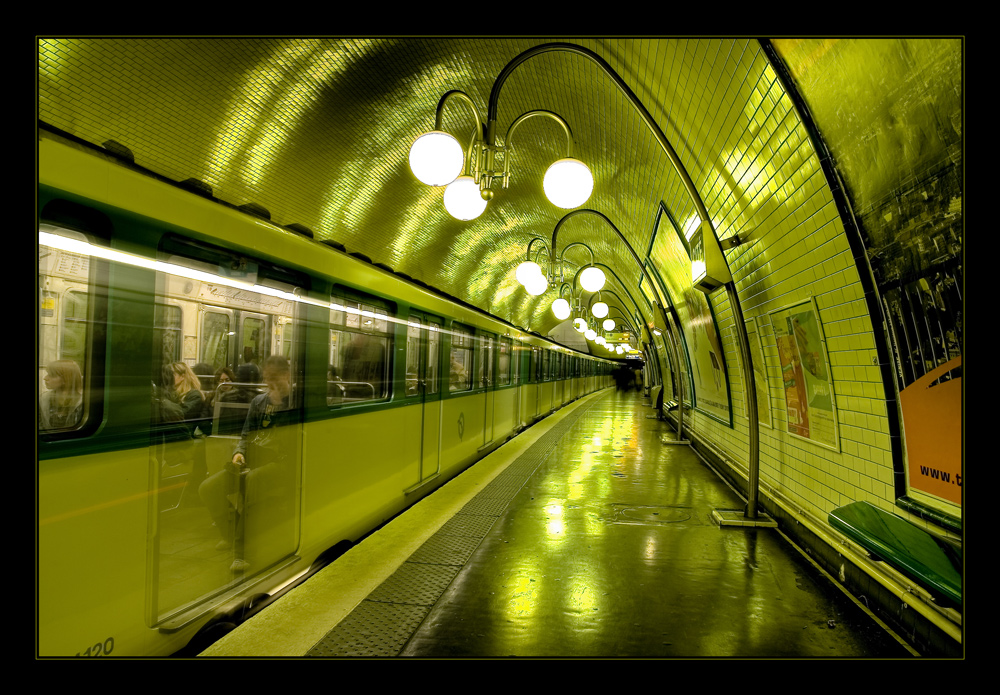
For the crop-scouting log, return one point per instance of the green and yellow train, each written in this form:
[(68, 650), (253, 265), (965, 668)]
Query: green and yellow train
[(393, 389)]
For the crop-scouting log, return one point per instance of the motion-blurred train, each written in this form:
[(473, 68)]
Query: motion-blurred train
[(393, 389)]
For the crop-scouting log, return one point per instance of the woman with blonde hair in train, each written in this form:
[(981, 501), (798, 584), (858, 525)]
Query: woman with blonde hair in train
[(187, 389), (61, 405)]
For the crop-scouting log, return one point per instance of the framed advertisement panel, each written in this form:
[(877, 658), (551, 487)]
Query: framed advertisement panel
[(670, 257), (807, 382)]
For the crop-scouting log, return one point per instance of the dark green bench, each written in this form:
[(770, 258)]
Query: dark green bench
[(935, 563)]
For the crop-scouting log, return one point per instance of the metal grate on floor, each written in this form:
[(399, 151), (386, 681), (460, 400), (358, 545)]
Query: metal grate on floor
[(383, 623)]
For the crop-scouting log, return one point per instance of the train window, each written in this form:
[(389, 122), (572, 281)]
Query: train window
[(461, 359), (167, 331), (74, 328), (70, 324), (503, 362), (216, 336), (423, 349), (433, 358), (516, 376), (360, 350), (254, 337), (485, 371), (413, 351), (207, 319)]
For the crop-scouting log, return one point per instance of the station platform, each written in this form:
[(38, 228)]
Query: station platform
[(585, 536)]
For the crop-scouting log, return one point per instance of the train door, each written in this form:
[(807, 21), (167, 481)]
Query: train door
[(423, 376), (486, 381), (232, 521)]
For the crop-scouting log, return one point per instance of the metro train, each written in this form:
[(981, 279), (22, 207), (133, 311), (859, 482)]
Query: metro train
[(390, 390)]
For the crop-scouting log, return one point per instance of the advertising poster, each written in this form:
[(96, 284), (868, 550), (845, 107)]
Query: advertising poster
[(932, 406), (670, 257), (805, 374)]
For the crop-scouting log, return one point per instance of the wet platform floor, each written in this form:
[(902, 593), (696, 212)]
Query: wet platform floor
[(604, 546)]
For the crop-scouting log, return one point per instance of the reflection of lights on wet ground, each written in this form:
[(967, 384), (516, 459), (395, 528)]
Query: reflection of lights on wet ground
[(555, 527), (581, 595), (523, 602)]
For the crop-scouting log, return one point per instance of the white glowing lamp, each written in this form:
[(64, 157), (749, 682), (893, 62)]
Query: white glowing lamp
[(537, 285), (601, 340), (436, 158), (590, 334), (568, 183), (580, 325), (561, 309), (462, 199), (618, 349), (592, 278), (600, 310), (526, 271), (609, 324)]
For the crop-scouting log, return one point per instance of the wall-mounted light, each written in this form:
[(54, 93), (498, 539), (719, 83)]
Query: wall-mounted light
[(437, 159), (462, 199), (561, 309), (568, 183), (592, 279), (536, 285)]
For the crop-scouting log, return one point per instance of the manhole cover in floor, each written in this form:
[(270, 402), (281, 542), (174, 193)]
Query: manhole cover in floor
[(640, 514)]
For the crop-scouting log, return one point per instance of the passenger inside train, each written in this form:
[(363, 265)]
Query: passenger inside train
[(260, 470), (61, 405)]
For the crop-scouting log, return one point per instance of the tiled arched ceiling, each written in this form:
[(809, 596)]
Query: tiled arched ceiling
[(317, 131)]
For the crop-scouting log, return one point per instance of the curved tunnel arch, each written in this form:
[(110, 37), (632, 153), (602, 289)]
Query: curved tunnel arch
[(350, 107)]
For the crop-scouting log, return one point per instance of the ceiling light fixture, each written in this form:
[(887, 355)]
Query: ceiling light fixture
[(437, 159)]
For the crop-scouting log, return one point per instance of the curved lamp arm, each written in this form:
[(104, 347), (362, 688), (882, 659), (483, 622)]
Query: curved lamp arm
[(545, 247), (521, 119), (464, 97), (562, 256), (492, 109), (477, 136)]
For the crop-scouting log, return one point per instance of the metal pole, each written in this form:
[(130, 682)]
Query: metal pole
[(743, 341)]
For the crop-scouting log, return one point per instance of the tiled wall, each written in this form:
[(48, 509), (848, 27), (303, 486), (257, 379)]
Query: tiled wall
[(796, 250)]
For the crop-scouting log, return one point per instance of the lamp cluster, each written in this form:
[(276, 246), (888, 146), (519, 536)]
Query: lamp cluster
[(438, 159)]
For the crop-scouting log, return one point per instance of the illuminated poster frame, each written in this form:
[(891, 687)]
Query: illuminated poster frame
[(810, 402), (706, 367)]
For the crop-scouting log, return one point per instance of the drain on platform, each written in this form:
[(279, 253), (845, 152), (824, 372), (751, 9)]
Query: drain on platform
[(649, 514)]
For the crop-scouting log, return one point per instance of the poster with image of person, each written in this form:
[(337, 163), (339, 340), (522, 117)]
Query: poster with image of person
[(805, 374)]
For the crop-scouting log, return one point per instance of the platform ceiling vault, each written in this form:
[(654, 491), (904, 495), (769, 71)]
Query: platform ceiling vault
[(317, 131)]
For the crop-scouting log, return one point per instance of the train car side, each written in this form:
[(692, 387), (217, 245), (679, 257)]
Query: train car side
[(393, 391)]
